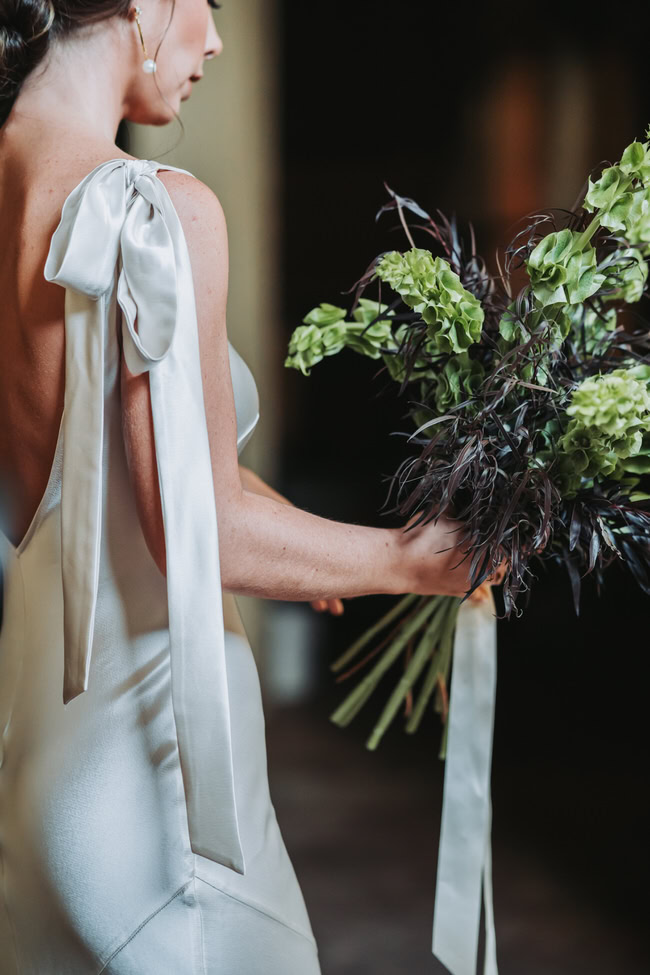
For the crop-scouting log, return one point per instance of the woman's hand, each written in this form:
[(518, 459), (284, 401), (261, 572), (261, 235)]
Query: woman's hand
[(481, 593), (438, 561)]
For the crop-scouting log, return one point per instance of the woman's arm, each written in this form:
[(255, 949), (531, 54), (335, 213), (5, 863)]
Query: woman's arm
[(250, 481), (253, 482), (267, 548)]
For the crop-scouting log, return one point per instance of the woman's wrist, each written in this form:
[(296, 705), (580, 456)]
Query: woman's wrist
[(402, 569)]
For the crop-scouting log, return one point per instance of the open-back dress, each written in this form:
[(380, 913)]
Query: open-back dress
[(137, 832)]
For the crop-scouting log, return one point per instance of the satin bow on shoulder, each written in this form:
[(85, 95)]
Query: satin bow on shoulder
[(120, 222)]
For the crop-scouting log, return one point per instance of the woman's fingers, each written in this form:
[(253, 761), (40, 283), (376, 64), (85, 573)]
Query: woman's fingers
[(334, 605), (481, 592), (498, 574)]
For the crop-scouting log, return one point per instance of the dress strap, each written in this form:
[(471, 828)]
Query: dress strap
[(121, 220)]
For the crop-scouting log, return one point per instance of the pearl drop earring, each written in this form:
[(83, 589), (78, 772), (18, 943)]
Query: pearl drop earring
[(149, 65)]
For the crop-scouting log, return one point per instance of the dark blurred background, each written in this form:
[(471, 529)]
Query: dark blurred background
[(488, 114)]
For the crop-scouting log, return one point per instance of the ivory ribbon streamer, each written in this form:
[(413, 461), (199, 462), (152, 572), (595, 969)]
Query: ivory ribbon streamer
[(464, 854), (120, 240)]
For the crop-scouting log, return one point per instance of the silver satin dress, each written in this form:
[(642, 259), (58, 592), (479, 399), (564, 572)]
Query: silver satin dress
[(137, 832)]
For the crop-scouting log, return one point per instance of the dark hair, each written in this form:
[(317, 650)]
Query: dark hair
[(28, 27)]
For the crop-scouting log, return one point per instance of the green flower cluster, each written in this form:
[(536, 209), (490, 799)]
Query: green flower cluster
[(622, 196), (608, 434), (325, 332), (614, 405), (563, 269), (590, 331), (395, 361), (624, 275), (552, 322), (547, 326), (606, 431), (459, 379), (627, 273), (430, 287)]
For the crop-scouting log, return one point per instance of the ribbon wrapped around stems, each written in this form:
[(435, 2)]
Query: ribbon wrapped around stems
[(464, 853)]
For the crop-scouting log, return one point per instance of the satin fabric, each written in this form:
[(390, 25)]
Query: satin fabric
[(464, 853), (127, 844), (142, 235), (119, 240)]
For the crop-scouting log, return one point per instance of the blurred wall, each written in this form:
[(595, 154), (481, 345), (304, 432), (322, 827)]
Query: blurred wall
[(231, 144)]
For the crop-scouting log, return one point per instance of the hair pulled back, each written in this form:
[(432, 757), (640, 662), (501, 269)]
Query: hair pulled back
[(28, 27)]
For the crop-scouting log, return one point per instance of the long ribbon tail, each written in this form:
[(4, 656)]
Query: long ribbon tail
[(464, 855)]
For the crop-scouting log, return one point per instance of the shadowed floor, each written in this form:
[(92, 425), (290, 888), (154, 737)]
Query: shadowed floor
[(362, 829)]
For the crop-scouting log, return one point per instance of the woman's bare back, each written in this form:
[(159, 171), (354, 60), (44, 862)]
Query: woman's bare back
[(33, 188)]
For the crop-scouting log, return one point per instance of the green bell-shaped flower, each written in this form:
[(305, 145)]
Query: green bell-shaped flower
[(309, 344), (412, 275), (325, 332), (459, 379), (611, 404), (430, 287), (552, 321), (621, 194), (560, 273), (635, 161), (369, 339), (627, 273), (608, 434), (607, 192), (590, 329), (324, 314), (633, 219)]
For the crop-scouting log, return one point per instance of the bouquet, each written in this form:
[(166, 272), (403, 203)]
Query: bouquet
[(531, 409), (532, 430)]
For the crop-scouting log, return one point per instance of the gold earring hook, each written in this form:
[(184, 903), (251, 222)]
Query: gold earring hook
[(138, 11), (148, 65)]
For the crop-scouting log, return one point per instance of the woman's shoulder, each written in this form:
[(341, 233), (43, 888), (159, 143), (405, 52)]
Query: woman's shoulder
[(204, 224), (194, 201)]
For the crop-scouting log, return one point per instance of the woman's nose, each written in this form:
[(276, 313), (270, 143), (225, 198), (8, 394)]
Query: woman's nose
[(213, 43)]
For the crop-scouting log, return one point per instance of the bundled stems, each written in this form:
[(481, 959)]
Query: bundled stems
[(427, 642), (439, 666), (366, 637), (435, 621), (358, 697)]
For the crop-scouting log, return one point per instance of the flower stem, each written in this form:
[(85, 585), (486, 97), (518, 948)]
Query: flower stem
[(412, 672), (359, 644), (593, 226), (442, 702), (360, 694), (439, 665), (586, 234), (405, 225)]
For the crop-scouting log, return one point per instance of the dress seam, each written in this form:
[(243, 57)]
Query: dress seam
[(201, 929), (262, 910), (139, 928)]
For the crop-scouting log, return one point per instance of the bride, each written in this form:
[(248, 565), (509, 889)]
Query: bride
[(137, 833)]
